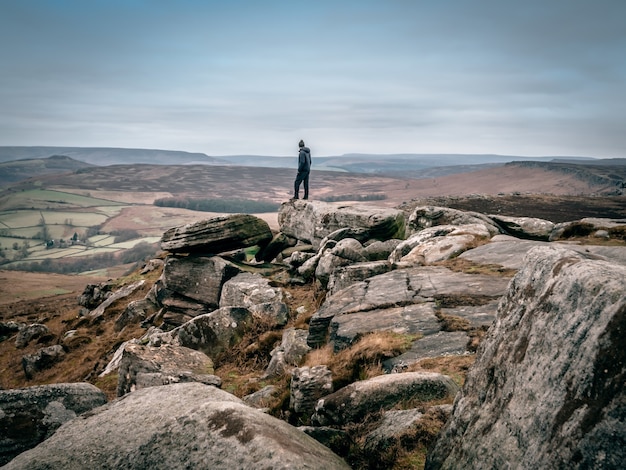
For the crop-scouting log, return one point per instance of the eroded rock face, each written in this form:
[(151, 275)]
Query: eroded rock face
[(217, 235), (312, 221), (178, 426), (547, 389), (30, 415)]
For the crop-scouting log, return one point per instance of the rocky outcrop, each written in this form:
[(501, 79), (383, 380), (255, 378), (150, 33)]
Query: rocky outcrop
[(192, 285), (30, 415), (312, 221), (403, 301), (546, 390), (217, 235), (178, 426), (289, 354), (612, 228), (438, 243)]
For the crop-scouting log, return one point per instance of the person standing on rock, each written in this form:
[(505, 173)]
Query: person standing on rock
[(304, 168)]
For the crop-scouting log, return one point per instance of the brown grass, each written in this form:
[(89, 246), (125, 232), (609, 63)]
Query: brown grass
[(362, 360)]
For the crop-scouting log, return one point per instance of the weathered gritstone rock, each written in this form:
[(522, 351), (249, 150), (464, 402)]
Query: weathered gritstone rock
[(42, 359), (217, 235), (312, 221), (289, 353), (587, 226), (147, 366), (30, 415), (254, 292), (547, 388), (437, 243), (525, 227), (509, 252), (399, 289), (424, 217), (353, 402), (309, 384), (214, 332), (199, 278), (28, 333), (178, 426), (443, 343), (98, 312), (345, 276)]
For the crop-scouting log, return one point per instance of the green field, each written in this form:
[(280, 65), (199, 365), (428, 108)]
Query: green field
[(48, 199), (39, 225)]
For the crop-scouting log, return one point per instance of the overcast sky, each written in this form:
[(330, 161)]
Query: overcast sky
[(512, 77)]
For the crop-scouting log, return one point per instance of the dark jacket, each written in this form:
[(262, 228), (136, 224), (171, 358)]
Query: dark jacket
[(304, 160)]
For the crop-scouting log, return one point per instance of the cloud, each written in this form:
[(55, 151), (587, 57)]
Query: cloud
[(482, 76)]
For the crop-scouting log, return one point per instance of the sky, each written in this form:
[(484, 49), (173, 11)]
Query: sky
[(508, 77)]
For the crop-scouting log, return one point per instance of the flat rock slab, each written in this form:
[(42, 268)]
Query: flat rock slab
[(444, 343), (217, 235), (477, 315), (401, 288), (509, 252), (410, 320)]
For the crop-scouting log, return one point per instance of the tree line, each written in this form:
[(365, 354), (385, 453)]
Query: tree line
[(245, 206)]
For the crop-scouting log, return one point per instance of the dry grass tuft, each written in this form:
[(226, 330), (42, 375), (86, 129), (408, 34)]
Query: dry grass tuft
[(363, 359)]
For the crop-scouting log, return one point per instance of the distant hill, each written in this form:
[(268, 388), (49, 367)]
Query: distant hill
[(18, 170), (104, 156)]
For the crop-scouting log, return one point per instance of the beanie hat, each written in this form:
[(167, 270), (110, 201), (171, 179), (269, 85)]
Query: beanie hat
[(301, 144)]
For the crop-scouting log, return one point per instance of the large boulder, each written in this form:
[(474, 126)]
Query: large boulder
[(191, 286), (438, 243), (547, 388), (178, 426), (254, 292), (312, 221), (215, 332), (217, 235), (146, 366), (353, 402), (345, 276), (30, 415)]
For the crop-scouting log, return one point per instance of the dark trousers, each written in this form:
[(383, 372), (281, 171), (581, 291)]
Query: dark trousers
[(301, 177)]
